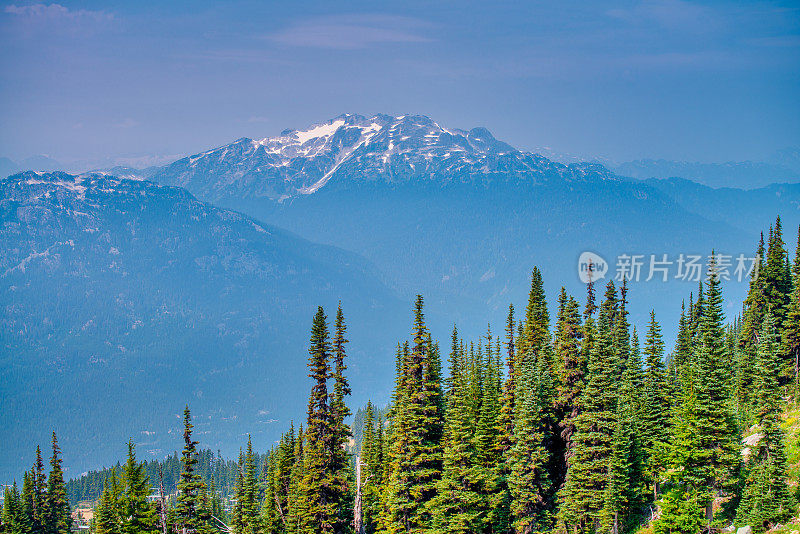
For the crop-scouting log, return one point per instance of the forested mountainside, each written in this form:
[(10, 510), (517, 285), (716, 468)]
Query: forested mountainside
[(122, 300), (583, 423), (218, 473), (735, 207)]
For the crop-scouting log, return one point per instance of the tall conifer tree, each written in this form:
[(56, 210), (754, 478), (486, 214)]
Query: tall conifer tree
[(57, 519), (766, 499), (319, 492)]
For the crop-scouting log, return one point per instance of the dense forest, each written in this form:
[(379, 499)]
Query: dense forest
[(215, 471), (579, 425)]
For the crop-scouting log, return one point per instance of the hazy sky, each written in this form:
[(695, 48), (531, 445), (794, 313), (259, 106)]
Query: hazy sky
[(659, 78)]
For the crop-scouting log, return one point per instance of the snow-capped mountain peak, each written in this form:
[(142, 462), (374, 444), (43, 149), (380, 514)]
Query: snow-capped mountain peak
[(353, 149)]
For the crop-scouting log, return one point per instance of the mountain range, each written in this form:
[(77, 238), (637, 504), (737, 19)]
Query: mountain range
[(124, 300), (198, 283), (462, 216), (733, 174)]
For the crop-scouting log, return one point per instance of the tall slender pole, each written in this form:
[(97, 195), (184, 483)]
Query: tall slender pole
[(358, 519), (163, 511)]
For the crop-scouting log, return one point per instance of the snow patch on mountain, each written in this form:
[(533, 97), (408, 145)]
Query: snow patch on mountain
[(350, 150), (323, 130)]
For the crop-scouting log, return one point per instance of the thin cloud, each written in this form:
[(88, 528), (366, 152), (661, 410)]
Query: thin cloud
[(352, 32), (127, 123), (57, 12), (670, 14)]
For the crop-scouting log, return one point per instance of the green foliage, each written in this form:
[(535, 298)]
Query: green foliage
[(766, 499), (191, 512), (681, 513), (415, 456), (57, 519), (577, 438), (138, 516)]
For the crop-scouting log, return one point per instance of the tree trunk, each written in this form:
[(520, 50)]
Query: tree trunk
[(358, 516), (709, 513), (163, 505)]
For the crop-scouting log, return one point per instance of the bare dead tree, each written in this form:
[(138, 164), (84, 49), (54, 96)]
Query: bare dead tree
[(162, 502)]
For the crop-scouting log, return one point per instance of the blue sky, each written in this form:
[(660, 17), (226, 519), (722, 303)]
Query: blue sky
[(682, 80)]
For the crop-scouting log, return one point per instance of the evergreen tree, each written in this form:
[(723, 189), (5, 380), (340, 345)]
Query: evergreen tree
[(270, 518), (656, 412), (683, 348), (28, 504), (415, 454), (501, 501), (318, 492), (39, 485), (704, 453), (57, 519), (138, 515), (247, 517), (12, 518), (584, 495), (371, 476), (190, 513), (777, 275), (237, 518), (109, 513), (457, 504), (790, 336), (617, 490), (715, 423), (680, 512), (340, 459), (535, 332), (297, 506), (766, 499), (572, 369), (529, 480)]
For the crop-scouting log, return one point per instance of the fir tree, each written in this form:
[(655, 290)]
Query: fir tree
[(766, 499), (457, 505), (656, 412), (584, 493), (296, 503), (617, 489), (138, 515), (715, 422), (13, 519), (680, 512), (529, 480), (790, 336), (109, 513), (416, 459), (39, 486), (572, 369), (247, 513), (57, 519), (190, 515), (777, 276), (371, 461), (683, 348), (535, 332), (704, 451), (340, 459), (27, 503), (318, 493)]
